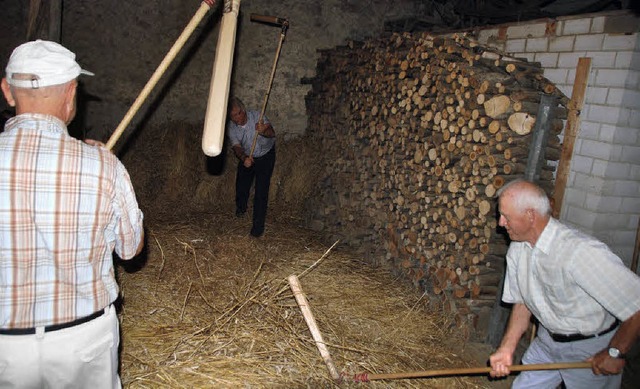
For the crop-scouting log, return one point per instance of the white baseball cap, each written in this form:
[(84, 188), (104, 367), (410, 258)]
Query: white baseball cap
[(39, 63)]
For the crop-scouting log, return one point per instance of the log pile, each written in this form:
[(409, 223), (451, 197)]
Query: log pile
[(416, 134)]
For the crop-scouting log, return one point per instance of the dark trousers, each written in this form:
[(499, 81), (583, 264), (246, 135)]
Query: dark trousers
[(261, 171)]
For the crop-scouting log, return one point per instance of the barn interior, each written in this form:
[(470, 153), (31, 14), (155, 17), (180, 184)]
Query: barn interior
[(396, 123)]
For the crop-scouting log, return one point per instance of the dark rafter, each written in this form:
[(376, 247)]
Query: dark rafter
[(443, 15)]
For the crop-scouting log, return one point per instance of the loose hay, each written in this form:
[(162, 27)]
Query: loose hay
[(170, 168), (211, 307)]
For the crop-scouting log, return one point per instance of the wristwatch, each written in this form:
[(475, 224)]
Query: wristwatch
[(615, 353)]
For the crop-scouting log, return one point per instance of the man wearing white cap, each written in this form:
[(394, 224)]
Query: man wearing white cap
[(65, 207)]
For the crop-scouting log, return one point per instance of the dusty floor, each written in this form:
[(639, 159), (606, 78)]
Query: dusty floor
[(209, 306)]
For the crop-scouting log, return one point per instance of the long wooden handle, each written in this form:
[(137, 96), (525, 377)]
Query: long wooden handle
[(294, 283), (364, 377), (177, 46), (266, 95)]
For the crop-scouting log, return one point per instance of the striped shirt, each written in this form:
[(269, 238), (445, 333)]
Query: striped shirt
[(570, 282), (65, 206), (243, 135)]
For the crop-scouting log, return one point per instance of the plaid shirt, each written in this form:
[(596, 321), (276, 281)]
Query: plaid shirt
[(65, 206), (570, 281)]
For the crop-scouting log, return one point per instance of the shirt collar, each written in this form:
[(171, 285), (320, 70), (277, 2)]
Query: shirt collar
[(36, 120), (545, 239)]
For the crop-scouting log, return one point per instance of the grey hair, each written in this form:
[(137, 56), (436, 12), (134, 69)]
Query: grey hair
[(530, 196), (236, 102)]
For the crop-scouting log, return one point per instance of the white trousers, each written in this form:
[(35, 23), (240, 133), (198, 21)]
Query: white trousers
[(543, 349), (83, 356)]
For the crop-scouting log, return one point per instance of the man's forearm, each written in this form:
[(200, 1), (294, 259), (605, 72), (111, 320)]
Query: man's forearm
[(502, 358), (627, 334), (268, 132), (239, 152), (141, 244), (604, 362), (518, 324)]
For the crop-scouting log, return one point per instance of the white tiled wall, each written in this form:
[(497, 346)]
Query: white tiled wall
[(603, 192)]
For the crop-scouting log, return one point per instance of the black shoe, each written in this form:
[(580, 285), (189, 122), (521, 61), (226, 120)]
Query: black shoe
[(256, 233), (240, 213)]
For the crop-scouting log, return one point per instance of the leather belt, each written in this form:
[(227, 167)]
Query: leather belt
[(53, 327), (562, 338)]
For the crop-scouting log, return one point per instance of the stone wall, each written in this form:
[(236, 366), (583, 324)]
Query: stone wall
[(124, 42), (603, 190)]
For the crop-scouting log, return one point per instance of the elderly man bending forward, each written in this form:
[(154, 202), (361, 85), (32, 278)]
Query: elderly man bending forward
[(576, 288)]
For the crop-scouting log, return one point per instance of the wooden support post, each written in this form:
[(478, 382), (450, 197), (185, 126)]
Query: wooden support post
[(570, 132), (55, 20), (636, 251), (44, 20)]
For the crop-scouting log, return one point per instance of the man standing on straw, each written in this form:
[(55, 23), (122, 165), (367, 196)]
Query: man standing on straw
[(65, 206), (244, 127)]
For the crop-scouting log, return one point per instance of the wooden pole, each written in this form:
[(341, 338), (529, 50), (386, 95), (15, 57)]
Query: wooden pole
[(636, 251), (266, 95), (155, 77), (365, 377), (571, 130), (44, 20), (55, 20), (33, 19), (294, 283)]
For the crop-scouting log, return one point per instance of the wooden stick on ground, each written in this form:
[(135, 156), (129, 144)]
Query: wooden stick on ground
[(365, 377), (294, 282)]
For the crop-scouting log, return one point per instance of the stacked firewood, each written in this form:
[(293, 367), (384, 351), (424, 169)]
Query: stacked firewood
[(416, 134)]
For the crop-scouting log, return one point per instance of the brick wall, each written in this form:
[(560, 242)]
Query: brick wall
[(603, 190)]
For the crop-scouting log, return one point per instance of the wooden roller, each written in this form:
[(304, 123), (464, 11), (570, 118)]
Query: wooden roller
[(216, 114)]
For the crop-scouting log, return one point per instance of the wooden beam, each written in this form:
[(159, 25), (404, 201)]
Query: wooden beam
[(44, 20), (570, 133), (33, 19), (636, 251), (55, 20)]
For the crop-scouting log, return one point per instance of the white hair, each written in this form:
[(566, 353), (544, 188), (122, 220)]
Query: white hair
[(529, 196)]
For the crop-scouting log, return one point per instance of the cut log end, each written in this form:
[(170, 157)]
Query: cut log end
[(521, 123)]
